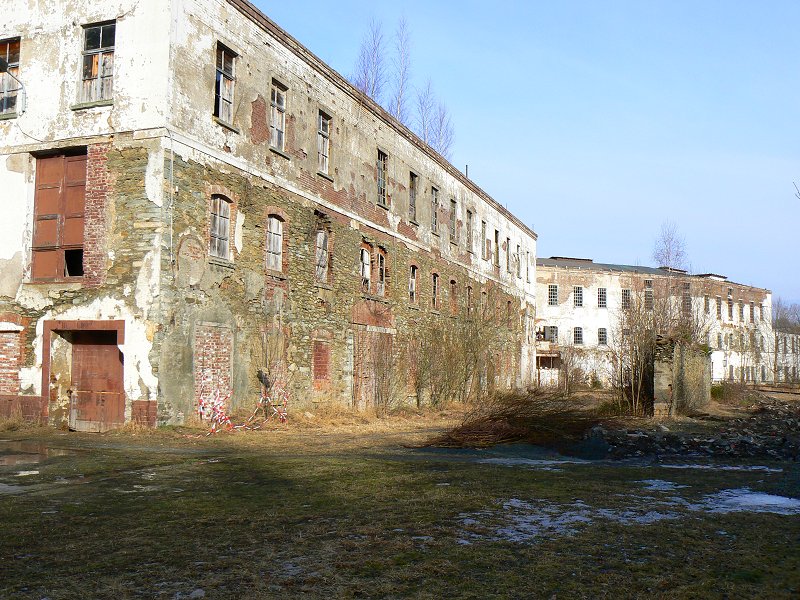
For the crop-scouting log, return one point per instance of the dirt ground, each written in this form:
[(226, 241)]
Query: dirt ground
[(342, 506)]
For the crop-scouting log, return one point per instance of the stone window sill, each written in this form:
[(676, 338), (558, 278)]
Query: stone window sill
[(323, 285), (7, 116), (276, 274), (73, 283), (413, 307), (413, 222), (383, 206), (94, 104), (374, 298), (221, 262), (280, 153), (325, 176), (227, 126)]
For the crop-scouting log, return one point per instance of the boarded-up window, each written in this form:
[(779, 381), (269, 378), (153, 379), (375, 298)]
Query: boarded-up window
[(59, 217), (321, 361), (322, 256)]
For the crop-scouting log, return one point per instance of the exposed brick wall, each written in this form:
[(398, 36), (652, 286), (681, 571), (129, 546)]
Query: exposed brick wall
[(321, 362), (10, 356), (213, 350), (98, 185), (259, 130)]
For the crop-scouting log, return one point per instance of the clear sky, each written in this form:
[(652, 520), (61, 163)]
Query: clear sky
[(594, 122)]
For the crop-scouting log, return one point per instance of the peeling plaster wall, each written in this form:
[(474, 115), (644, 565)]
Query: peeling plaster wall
[(51, 33)]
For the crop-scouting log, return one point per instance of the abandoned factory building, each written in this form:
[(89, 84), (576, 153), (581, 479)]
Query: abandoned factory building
[(192, 195), (587, 311)]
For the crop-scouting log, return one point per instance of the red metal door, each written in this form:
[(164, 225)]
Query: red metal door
[(372, 363), (98, 401)]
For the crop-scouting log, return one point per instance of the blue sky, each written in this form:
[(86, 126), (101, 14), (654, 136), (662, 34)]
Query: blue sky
[(595, 122)]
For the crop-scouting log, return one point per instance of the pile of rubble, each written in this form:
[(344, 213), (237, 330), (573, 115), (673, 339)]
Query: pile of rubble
[(771, 430)]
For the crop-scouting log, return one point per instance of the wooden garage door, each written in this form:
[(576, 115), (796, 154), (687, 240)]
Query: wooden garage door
[(98, 398)]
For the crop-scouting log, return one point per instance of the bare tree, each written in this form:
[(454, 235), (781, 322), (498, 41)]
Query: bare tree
[(401, 73), (370, 70), (670, 247), (442, 138), (426, 101)]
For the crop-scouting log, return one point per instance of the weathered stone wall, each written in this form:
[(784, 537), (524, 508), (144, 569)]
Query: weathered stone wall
[(682, 380)]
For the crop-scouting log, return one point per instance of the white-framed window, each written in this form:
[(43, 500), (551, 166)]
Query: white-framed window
[(412, 285), (9, 87), (602, 298), (484, 242), (277, 120), (496, 248), (577, 336), (686, 299), (219, 240), (752, 312), (706, 304), (323, 142), (518, 259), (648, 299), (602, 336), (577, 296), (224, 84), (413, 181), (322, 255), (508, 255), (552, 295), (366, 270), (98, 62), (551, 334), (274, 243), (626, 299), (381, 165), (719, 308)]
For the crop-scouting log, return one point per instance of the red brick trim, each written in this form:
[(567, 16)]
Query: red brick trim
[(98, 184)]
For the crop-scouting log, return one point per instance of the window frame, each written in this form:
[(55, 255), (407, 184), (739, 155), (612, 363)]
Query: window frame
[(9, 96), (453, 221), (626, 299), (382, 167), (219, 227), (434, 210), (224, 84), (602, 336), (602, 297), (98, 86), (577, 336), (552, 294), (322, 255), (435, 291), (413, 186), (412, 284), (324, 121), (275, 243), (278, 101), (577, 296), (470, 235)]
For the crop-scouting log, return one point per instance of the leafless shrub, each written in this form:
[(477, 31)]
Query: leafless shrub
[(541, 417)]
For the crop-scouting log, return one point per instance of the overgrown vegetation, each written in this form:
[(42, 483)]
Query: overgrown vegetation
[(542, 417)]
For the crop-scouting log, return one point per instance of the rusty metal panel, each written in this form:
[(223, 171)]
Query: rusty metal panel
[(98, 400)]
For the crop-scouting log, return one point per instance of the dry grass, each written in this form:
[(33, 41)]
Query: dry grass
[(540, 417)]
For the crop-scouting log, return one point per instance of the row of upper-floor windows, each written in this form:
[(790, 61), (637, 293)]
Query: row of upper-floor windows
[(373, 262), (517, 258), (578, 336), (648, 301)]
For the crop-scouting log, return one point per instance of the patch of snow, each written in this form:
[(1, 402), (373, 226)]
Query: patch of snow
[(759, 468), (659, 485), (746, 500), (530, 462), (26, 473)]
